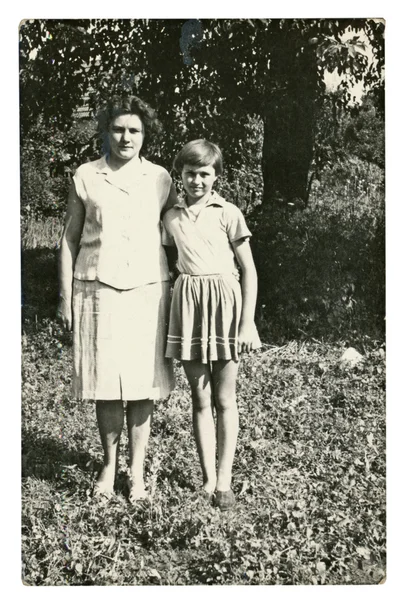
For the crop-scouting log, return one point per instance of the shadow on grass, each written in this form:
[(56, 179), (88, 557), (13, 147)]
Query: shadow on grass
[(70, 470), (47, 459), (39, 283)]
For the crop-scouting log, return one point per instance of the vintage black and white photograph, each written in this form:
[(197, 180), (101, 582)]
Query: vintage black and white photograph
[(203, 342)]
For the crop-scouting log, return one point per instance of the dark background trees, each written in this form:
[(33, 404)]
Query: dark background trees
[(299, 158), (202, 77)]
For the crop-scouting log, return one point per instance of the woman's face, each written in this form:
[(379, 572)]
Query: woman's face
[(126, 135)]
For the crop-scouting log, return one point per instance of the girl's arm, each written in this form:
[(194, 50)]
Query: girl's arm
[(171, 199), (247, 328), (69, 249)]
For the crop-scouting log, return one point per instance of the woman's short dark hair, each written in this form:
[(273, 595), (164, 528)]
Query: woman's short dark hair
[(124, 105), (199, 153)]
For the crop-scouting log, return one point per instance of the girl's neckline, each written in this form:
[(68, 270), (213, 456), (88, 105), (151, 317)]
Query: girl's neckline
[(201, 202)]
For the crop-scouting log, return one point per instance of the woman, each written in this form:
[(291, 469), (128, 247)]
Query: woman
[(114, 286)]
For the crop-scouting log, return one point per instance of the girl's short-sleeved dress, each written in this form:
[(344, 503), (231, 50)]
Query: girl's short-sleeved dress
[(121, 288), (207, 301)]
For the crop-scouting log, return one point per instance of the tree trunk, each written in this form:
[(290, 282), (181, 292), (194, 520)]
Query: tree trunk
[(289, 124)]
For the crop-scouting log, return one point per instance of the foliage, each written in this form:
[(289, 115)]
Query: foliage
[(48, 157), (205, 78), (344, 131), (43, 191), (364, 135), (309, 471), (331, 121), (321, 270)]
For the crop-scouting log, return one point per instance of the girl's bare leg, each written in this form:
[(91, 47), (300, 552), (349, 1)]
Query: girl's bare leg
[(139, 418), (110, 419), (199, 378), (224, 373)]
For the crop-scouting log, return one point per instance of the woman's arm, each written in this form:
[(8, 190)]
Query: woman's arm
[(247, 328), (69, 249)]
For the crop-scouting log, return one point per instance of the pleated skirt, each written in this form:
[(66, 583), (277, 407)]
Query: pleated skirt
[(119, 339), (204, 318)]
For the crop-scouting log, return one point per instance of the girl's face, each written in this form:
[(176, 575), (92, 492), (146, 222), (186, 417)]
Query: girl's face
[(198, 181), (126, 135)]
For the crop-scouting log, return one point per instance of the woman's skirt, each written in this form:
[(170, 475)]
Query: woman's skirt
[(119, 339), (204, 318)]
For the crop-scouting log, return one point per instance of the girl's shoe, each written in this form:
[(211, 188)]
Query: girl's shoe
[(224, 500)]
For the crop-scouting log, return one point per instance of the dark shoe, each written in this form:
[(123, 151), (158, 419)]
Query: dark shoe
[(224, 500)]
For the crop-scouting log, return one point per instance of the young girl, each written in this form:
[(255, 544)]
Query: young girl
[(212, 316)]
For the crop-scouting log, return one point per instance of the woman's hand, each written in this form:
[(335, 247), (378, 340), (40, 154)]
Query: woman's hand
[(69, 248), (246, 337), (64, 314)]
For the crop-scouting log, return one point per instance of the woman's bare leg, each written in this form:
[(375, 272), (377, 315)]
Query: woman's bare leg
[(110, 419), (224, 373), (199, 378), (139, 418)]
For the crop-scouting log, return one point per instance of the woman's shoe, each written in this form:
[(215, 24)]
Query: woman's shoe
[(206, 496), (224, 500), (135, 493), (100, 492)]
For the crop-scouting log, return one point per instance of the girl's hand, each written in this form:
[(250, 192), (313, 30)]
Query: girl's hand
[(247, 336), (64, 314)]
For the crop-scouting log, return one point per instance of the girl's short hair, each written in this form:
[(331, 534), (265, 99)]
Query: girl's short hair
[(123, 105), (199, 153)]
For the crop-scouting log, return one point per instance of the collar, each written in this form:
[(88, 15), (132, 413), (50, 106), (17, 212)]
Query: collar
[(214, 200), (103, 168)]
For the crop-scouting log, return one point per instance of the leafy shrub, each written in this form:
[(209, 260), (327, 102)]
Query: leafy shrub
[(343, 131), (242, 182), (48, 158), (43, 188), (321, 270), (41, 194), (364, 135)]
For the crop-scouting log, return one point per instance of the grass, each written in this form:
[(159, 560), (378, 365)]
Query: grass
[(44, 233), (309, 471)]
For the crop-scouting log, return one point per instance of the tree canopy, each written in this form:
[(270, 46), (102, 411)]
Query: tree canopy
[(206, 79)]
